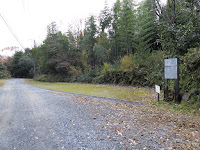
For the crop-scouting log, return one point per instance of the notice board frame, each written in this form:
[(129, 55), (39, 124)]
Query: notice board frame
[(171, 71), (171, 68)]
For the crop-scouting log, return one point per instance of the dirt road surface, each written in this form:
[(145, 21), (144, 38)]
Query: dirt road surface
[(32, 118)]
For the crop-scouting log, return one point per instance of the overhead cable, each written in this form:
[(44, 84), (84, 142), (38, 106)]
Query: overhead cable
[(12, 32)]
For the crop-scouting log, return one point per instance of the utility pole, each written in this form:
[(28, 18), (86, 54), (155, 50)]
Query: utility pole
[(34, 60)]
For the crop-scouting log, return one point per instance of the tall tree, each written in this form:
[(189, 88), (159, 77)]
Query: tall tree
[(76, 29), (20, 65), (194, 14), (101, 49), (105, 18), (146, 27), (90, 39), (51, 51), (58, 54), (115, 32), (179, 31), (127, 27)]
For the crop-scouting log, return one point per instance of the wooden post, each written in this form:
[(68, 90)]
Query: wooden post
[(165, 85), (165, 89), (176, 89), (176, 85)]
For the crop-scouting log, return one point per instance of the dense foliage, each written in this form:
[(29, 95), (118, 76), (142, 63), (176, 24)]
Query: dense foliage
[(123, 45), (3, 71), (20, 66)]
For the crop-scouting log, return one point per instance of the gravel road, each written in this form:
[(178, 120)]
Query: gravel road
[(32, 118)]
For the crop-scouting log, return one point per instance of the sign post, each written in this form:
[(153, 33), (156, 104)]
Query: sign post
[(158, 91), (171, 71)]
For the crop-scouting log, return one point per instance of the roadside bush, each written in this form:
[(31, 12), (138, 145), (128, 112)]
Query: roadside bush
[(20, 65), (88, 77), (190, 74), (128, 62), (106, 68), (154, 69), (43, 78), (133, 71), (137, 71), (51, 78), (4, 74)]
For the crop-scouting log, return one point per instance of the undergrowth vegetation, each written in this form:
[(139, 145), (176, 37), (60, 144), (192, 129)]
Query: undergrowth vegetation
[(190, 75), (136, 71), (125, 45), (4, 74)]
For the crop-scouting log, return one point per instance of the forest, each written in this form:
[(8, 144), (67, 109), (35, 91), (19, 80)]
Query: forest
[(125, 45)]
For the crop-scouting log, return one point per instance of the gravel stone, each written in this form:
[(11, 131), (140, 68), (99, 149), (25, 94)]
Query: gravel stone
[(32, 118)]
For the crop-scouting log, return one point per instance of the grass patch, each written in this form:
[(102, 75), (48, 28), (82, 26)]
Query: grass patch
[(183, 107), (2, 82), (142, 95)]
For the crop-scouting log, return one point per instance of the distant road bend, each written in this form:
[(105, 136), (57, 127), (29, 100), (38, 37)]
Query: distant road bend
[(38, 119)]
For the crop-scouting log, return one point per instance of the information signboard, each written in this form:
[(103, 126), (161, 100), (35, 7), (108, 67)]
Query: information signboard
[(157, 88), (172, 72), (171, 68)]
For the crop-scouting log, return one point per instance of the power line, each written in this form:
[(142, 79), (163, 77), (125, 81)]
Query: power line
[(12, 32)]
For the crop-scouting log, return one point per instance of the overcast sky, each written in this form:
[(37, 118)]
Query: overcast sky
[(28, 19)]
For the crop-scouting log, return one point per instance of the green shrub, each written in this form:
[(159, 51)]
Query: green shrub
[(134, 70), (190, 74), (43, 78), (88, 77), (128, 62), (4, 74), (75, 72), (154, 69), (106, 68), (51, 78)]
